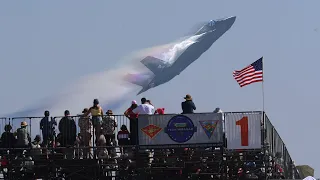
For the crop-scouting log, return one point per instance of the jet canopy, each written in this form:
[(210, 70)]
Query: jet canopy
[(211, 23)]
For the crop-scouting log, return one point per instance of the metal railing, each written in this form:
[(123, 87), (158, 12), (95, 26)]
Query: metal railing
[(279, 150)]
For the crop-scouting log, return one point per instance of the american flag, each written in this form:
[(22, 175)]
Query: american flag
[(250, 74)]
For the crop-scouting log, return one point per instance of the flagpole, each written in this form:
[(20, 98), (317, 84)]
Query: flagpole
[(262, 89), (262, 85), (263, 114)]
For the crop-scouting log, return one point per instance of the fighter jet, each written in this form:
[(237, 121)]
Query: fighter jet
[(162, 71)]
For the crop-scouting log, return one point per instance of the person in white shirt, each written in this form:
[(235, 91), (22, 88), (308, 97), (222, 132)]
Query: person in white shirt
[(144, 107)]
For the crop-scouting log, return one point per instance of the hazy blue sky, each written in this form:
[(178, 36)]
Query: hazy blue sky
[(44, 46)]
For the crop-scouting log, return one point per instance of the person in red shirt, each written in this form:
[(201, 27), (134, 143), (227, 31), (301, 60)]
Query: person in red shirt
[(133, 122), (128, 113), (159, 111)]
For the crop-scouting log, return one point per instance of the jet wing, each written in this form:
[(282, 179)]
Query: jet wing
[(153, 64), (144, 89)]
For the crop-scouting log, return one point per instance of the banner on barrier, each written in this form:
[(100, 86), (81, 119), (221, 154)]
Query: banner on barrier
[(243, 131), (180, 129)]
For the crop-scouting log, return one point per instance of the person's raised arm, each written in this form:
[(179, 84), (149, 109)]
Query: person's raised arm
[(182, 106), (115, 122), (41, 124), (87, 113), (150, 103), (61, 124), (193, 106), (53, 121), (126, 113), (80, 122), (101, 112)]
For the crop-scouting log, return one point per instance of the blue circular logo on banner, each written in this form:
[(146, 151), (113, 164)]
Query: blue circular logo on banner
[(180, 128)]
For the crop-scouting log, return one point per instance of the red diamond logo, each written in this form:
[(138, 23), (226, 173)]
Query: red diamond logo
[(151, 130)]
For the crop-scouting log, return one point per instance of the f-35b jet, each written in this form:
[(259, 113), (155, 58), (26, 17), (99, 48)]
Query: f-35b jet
[(163, 71)]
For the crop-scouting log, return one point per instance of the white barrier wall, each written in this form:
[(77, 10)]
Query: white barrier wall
[(180, 129), (243, 131)]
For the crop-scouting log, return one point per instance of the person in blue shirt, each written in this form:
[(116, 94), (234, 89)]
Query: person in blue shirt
[(47, 128)]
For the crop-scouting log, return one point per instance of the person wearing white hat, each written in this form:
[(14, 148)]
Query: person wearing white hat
[(23, 136)]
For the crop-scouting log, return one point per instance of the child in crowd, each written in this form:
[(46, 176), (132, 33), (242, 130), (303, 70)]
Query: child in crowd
[(123, 137), (159, 111), (36, 150), (102, 151)]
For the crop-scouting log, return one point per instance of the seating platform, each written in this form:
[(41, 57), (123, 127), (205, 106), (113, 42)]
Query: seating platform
[(172, 147)]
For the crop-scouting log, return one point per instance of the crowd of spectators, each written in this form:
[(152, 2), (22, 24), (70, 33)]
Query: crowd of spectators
[(99, 129), (93, 124)]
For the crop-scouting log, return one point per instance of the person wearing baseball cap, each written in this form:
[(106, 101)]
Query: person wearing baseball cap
[(188, 105)]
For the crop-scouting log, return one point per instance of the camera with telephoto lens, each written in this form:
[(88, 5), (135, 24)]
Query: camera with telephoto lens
[(53, 124)]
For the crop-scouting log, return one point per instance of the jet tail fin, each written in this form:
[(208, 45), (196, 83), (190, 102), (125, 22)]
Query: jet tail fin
[(153, 64)]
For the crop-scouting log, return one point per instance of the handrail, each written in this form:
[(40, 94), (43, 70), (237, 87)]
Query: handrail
[(285, 152), (35, 117), (31, 117)]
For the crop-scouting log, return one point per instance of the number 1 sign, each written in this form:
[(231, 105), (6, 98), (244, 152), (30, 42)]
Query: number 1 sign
[(243, 131)]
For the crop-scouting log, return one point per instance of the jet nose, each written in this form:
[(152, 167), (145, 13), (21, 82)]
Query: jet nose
[(231, 20)]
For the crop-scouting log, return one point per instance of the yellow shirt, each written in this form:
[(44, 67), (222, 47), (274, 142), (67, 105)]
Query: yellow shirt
[(96, 111)]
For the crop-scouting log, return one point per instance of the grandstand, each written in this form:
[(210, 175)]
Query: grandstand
[(229, 145)]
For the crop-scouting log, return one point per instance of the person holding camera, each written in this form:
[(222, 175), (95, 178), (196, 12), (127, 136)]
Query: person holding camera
[(47, 127)]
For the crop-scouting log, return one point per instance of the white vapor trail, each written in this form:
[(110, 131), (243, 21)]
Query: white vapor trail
[(107, 86)]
